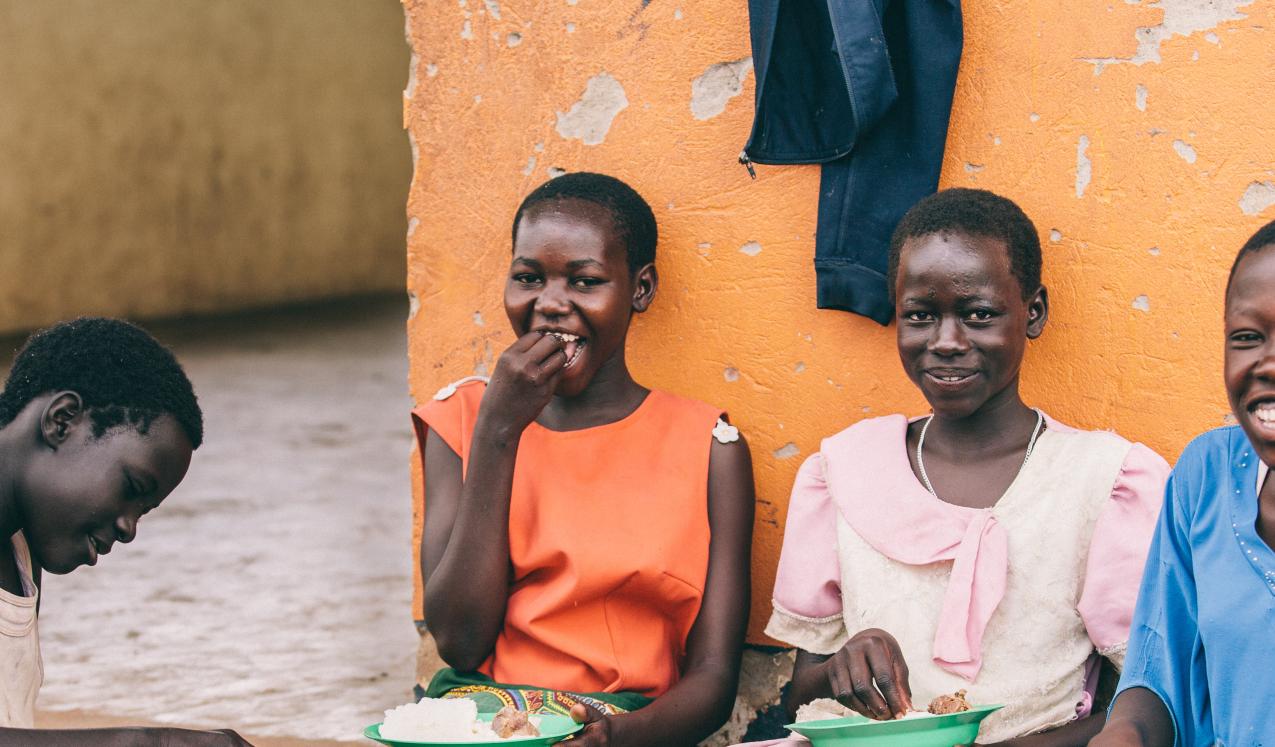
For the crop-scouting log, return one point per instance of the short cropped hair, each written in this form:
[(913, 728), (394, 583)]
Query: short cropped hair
[(122, 374), (1264, 238), (975, 212), (631, 217)]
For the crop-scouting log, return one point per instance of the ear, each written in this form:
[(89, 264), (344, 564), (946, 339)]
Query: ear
[(1037, 313), (61, 415), (645, 282)]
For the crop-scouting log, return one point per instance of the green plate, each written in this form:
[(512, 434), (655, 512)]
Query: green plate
[(553, 729), (950, 730)]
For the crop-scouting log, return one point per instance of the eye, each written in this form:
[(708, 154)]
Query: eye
[(980, 315), (586, 282), (1244, 338), (918, 316), (526, 278)]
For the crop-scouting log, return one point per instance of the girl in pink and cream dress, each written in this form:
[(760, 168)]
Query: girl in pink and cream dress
[(986, 547)]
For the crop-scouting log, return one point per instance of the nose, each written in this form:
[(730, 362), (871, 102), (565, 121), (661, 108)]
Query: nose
[(553, 301), (1265, 368), (126, 528), (949, 338)]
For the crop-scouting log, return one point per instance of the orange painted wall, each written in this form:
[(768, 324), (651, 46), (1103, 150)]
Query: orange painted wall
[(1135, 134)]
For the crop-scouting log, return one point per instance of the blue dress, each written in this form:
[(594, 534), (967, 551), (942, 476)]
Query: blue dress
[(1203, 635)]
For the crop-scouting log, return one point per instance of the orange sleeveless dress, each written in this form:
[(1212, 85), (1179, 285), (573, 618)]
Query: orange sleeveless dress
[(608, 542)]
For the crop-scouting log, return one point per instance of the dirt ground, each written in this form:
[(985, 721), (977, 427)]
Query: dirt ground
[(271, 592)]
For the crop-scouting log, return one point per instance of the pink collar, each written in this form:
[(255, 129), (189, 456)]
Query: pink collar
[(918, 528)]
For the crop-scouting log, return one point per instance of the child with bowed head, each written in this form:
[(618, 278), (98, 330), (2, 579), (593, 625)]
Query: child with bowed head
[(97, 425)]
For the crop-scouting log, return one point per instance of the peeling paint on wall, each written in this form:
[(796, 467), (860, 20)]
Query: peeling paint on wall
[(1084, 168), (752, 249), (590, 118), (1181, 18), (1140, 97), (731, 374), (717, 85), (1258, 197), (1184, 150), (513, 40), (787, 451), (493, 8), (1142, 303)]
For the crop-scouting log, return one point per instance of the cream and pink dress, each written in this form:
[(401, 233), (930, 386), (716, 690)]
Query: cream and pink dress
[(1010, 603)]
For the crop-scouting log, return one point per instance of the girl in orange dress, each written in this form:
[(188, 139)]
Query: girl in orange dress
[(586, 539)]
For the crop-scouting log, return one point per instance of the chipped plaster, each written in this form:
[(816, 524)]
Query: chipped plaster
[(1257, 197), (1084, 167), (1180, 18), (716, 86), (589, 119)]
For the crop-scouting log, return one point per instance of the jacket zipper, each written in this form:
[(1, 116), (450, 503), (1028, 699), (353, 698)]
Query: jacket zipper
[(747, 163), (836, 37)]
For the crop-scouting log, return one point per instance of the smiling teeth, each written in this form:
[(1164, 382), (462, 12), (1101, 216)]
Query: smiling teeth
[(565, 337), (1265, 412)]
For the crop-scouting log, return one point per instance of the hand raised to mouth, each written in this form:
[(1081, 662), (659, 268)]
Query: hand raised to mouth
[(524, 380)]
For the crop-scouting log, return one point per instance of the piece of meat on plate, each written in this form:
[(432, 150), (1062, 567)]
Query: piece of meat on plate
[(944, 704), (511, 722)]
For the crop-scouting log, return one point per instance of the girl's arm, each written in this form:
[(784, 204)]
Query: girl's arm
[(127, 737), (465, 542), (1138, 719), (703, 697), (1075, 734)]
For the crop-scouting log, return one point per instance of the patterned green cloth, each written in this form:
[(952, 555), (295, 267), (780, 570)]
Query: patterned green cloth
[(492, 696)]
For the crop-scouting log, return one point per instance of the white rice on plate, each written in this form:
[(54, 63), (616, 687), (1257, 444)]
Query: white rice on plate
[(438, 719)]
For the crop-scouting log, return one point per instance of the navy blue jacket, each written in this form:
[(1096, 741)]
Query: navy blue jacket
[(863, 87)]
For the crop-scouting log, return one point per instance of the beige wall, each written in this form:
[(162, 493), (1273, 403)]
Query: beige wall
[(163, 157)]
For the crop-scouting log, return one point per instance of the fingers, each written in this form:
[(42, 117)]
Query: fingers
[(842, 691), (544, 347), (525, 343), (861, 682), (885, 675), (585, 714), (902, 675), (596, 732)]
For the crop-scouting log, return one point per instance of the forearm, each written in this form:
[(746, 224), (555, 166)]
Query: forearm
[(119, 737), (1138, 717), (1075, 734), (809, 682), (690, 711), (465, 595)]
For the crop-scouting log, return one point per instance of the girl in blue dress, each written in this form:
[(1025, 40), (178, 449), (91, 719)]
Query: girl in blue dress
[(1199, 665)]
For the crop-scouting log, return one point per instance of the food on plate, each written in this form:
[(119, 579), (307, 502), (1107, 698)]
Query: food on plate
[(822, 708), (454, 720), (945, 704), (511, 722)]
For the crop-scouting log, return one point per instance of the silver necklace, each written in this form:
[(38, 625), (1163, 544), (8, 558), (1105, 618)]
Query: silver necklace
[(920, 442)]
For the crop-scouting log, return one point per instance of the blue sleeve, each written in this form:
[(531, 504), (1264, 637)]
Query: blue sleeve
[(1165, 654)]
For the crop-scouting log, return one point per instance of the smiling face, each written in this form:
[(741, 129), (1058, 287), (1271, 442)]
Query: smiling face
[(962, 322), (81, 497), (1249, 367), (570, 277)]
